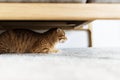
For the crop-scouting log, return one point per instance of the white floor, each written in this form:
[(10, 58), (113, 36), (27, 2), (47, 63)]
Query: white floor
[(69, 64)]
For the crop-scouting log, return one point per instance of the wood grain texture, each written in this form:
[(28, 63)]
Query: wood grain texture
[(59, 11)]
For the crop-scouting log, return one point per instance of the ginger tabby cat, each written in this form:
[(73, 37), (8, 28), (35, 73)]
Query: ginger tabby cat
[(28, 41)]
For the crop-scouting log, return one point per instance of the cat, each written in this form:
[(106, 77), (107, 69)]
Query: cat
[(28, 41)]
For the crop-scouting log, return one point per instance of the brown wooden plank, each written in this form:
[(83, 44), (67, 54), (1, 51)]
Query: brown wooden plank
[(59, 11)]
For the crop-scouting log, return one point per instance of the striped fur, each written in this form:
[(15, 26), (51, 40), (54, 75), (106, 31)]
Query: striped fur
[(28, 41)]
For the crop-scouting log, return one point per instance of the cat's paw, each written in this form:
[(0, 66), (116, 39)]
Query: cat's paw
[(55, 51)]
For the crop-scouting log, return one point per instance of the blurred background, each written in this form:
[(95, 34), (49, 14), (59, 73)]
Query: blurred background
[(105, 33)]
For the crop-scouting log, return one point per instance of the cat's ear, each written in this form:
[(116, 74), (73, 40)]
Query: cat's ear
[(59, 30)]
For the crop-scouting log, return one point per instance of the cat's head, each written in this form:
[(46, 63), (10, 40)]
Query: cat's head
[(58, 33), (61, 35)]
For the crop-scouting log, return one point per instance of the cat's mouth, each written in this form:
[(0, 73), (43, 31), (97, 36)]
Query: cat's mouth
[(62, 40)]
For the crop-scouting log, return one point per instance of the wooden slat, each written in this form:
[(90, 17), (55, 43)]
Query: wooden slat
[(41, 24), (53, 11)]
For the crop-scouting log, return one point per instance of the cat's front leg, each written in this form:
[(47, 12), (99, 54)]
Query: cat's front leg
[(54, 51)]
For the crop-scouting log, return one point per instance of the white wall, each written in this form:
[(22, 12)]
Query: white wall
[(106, 33), (76, 39)]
